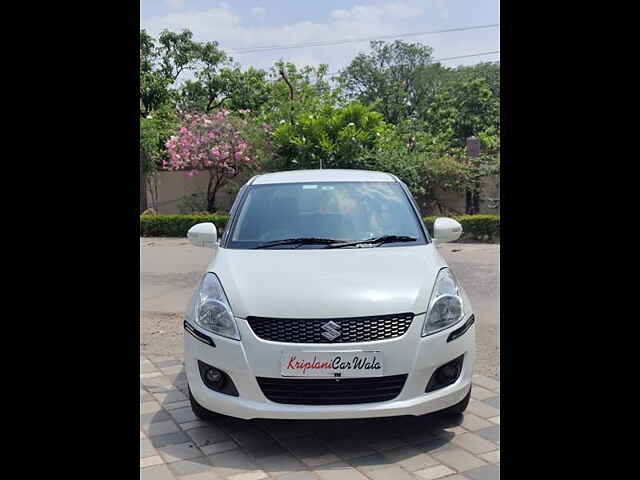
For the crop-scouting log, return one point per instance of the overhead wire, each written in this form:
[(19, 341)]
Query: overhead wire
[(325, 43)]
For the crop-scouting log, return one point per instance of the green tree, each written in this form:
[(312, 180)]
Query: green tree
[(154, 86), (294, 91), (398, 79), (490, 71), (465, 108), (421, 163), (155, 130), (201, 93), (161, 64), (177, 53), (392, 109), (332, 137), (228, 87)]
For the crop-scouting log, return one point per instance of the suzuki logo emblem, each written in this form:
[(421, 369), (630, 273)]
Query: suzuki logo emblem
[(331, 330)]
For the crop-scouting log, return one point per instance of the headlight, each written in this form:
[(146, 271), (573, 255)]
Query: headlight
[(212, 311), (446, 306)]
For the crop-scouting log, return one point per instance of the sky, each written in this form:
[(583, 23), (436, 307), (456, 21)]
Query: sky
[(237, 24)]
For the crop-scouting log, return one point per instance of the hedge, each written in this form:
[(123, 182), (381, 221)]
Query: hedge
[(476, 228), (176, 225)]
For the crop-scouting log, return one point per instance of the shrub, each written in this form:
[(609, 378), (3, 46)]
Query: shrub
[(176, 225), (479, 228), (331, 137), (211, 143), (476, 228)]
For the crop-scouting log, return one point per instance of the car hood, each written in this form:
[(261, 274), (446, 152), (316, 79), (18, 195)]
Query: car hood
[(327, 283)]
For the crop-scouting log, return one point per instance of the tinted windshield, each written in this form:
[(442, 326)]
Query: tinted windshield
[(342, 211)]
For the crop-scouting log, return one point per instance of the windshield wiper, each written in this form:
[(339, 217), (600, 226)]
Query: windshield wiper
[(374, 240), (299, 241)]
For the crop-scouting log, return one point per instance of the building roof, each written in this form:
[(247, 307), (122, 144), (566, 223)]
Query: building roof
[(328, 175)]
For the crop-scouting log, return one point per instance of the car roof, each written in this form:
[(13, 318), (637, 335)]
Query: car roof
[(325, 175)]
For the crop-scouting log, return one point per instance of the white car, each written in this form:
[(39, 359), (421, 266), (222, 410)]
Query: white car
[(326, 298)]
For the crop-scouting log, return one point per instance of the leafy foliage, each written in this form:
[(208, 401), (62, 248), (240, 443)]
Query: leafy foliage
[(434, 110), (176, 225), (392, 109), (161, 63), (330, 138), (478, 228), (462, 110), (420, 163), (397, 79), (155, 130), (294, 91), (230, 88)]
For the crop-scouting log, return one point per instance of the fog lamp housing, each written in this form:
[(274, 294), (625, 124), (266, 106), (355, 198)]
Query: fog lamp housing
[(214, 376), (445, 375), (216, 379)]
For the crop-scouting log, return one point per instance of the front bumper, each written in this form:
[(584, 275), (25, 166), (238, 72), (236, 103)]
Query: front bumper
[(252, 357)]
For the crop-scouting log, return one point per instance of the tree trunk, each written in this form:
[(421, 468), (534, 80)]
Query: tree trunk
[(211, 203), (212, 190), (468, 203), (472, 204), (211, 195), (476, 201)]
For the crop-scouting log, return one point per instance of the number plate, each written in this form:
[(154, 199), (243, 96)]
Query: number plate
[(332, 364)]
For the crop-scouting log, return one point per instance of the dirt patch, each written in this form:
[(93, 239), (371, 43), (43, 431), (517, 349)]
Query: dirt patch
[(487, 352), (161, 333)]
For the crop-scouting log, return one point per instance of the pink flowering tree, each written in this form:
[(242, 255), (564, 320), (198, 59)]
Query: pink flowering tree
[(209, 142)]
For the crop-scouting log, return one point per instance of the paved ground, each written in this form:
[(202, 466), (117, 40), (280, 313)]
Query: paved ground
[(170, 268), (175, 445)]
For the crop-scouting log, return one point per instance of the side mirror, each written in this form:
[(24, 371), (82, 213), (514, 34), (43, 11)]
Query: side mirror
[(203, 235), (446, 230)]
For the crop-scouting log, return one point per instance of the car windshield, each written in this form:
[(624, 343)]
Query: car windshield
[(313, 215)]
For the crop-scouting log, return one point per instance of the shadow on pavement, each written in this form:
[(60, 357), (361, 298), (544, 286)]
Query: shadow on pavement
[(230, 446)]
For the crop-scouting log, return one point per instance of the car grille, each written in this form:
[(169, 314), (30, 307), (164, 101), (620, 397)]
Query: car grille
[(355, 329), (346, 391)]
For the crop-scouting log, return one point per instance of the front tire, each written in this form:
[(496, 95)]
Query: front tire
[(199, 411)]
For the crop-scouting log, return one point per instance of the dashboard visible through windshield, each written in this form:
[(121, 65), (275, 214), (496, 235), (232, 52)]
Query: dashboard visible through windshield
[(325, 214)]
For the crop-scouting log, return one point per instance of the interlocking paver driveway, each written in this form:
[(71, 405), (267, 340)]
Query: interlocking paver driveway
[(174, 445)]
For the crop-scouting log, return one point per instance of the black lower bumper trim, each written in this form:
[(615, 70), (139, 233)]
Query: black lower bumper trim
[(199, 335), (462, 330)]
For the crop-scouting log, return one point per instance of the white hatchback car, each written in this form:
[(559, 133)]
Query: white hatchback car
[(326, 298)]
